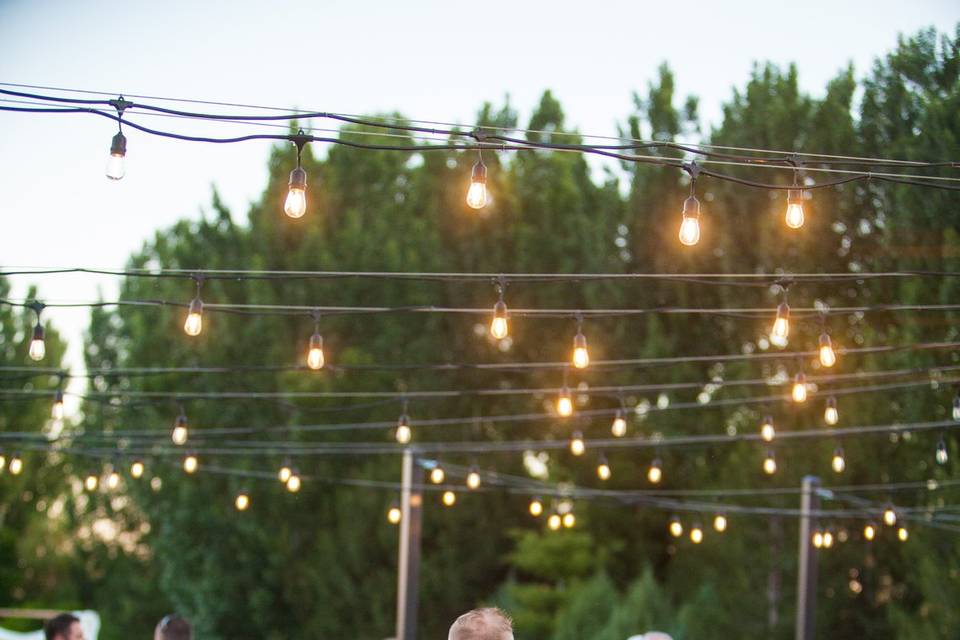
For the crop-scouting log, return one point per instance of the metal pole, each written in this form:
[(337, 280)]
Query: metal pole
[(408, 573), (807, 574)]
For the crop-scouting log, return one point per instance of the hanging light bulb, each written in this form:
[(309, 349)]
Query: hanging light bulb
[(91, 481), (564, 403), (956, 407), (57, 411), (767, 432), (581, 357), (675, 527), (449, 498), (180, 433), (116, 163), (437, 475), (285, 472), (294, 482), (869, 532), (889, 516), (473, 480), (830, 415), (403, 432), (3, 460), (296, 203), (577, 446), (38, 349), (619, 426), (477, 193), (903, 534), (794, 216), (569, 520), (655, 471), (315, 359), (837, 462), (535, 508), (690, 227), (720, 523), (190, 463), (554, 521), (696, 534), (828, 357), (781, 325), (603, 468), (942, 456), (394, 514), (136, 469), (770, 463), (799, 391), (194, 322), (16, 464), (827, 539), (499, 328), (113, 479), (242, 501), (817, 539)]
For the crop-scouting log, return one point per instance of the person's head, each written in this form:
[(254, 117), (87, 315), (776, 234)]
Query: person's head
[(173, 627), (63, 627), (482, 624)]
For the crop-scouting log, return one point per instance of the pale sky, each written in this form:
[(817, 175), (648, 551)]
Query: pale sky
[(431, 60)]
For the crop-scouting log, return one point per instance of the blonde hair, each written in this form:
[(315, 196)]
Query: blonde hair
[(482, 624)]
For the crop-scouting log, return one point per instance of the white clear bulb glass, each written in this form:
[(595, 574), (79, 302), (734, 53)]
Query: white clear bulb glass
[(869, 532), (394, 515), (113, 480), (296, 203), (499, 328), (889, 517), (767, 432), (179, 434), (654, 474), (564, 404), (90, 483), (603, 471), (57, 412), (16, 465), (690, 231), (284, 473), (315, 358), (720, 523), (293, 483), (473, 480), (116, 167), (828, 357), (902, 534), (242, 502), (553, 522), (781, 329), (449, 498), (437, 475), (799, 390), (577, 446), (619, 427), (817, 539), (696, 535), (194, 324), (831, 416), (477, 195), (581, 358), (769, 466), (676, 529), (136, 469), (794, 216), (536, 508), (403, 434), (190, 464), (838, 463), (942, 455), (37, 349)]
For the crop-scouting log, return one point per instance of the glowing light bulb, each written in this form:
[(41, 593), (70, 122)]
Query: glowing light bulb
[(499, 328), (581, 357), (655, 471), (799, 391), (296, 203), (690, 227), (889, 516), (293, 482), (242, 501), (770, 464), (57, 411), (394, 515), (720, 523), (830, 415), (554, 521), (90, 482), (696, 534), (3, 460), (675, 527), (285, 473), (577, 446), (437, 475), (449, 498), (403, 432), (869, 532), (16, 464), (116, 163), (828, 357), (818, 539), (767, 432), (38, 349), (477, 193), (956, 407), (535, 508), (136, 469), (569, 520), (794, 215), (315, 359), (113, 480), (837, 462), (619, 426), (180, 433), (603, 469), (942, 456), (827, 539), (781, 325), (473, 480), (564, 403), (903, 534), (194, 322), (190, 463)]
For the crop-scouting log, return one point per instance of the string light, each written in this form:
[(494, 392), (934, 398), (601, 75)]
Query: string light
[(581, 357), (190, 463), (180, 432), (394, 515), (675, 527), (799, 391), (16, 464), (38, 348), (720, 523), (242, 501), (869, 532), (113, 479), (3, 460), (437, 475), (473, 479), (137, 468), (655, 471), (690, 226), (794, 215), (295, 204), (577, 446), (837, 462), (477, 193), (535, 508), (193, 325), (830, 414), (619, 426), (403, 433), (817, 539), (828, 357), (696, 534), (294, 482), (285, 472), (827, 539), (770, 463), (564, 403), (91, 481), (569, 520), (449, 498), (781, 325), (767, 432), (57, 411), (603, 468), (941, 455), (499, 327), (903, 534), (554, 521), (889, 516), (116, 163), (315, 358), (956, 407)]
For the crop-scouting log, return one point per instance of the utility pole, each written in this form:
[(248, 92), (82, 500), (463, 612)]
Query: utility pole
[(408, 565), (807, 574)]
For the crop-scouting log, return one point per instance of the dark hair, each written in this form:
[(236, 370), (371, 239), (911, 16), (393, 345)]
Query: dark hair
[(174, 627), (58, 625)]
